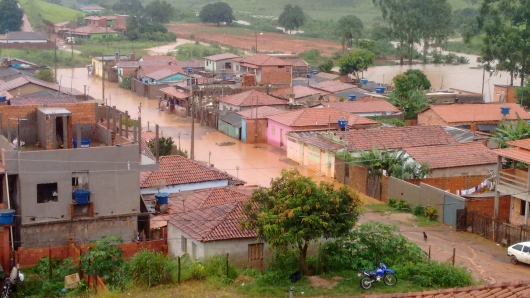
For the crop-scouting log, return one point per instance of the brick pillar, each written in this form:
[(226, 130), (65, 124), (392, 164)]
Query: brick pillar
[(6, 250)]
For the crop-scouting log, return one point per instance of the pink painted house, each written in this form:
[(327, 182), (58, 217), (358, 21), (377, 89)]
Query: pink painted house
[(310, 119)]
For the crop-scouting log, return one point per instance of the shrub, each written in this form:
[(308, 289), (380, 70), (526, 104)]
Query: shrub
[(326, 66), (418, 210), (149, 268), (392, 202), (431, 212), (216, 267), (368, 244), (402, 205), (125, 82), (436, 275)]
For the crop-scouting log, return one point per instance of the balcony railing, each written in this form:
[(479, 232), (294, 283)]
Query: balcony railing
[(517, 181)]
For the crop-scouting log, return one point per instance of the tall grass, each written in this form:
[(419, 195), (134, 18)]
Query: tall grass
[(39, 11)]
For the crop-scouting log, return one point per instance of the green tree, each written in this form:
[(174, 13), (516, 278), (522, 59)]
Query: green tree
[(506, 24), (103, 258), (523, 95), (10, 16), (326, 66), (160, 11), (46, 75), (417, 80), (165, 146), (408, 94), (356, 62), (295, 211), (511, 131), (132, 7), (349, 28), (435, 23), (292, 17), (217, 12)]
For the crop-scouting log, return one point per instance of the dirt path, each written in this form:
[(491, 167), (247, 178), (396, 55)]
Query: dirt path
[(486, 260), (26, 26)]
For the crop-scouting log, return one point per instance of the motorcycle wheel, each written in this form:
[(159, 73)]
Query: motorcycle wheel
[(366, 283), (390, 279)]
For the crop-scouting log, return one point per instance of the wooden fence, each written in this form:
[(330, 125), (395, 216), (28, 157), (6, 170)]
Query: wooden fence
[(497, 230)]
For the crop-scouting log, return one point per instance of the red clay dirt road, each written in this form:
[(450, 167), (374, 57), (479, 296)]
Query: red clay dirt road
[(245, 39)]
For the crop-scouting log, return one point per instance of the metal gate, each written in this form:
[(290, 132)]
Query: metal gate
[(451, 205), (461, 220)]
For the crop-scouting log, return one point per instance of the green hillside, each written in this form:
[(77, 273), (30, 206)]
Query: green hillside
[(39, 11)]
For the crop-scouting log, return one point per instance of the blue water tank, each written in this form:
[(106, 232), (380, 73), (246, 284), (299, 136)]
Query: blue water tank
[(505, 110), (363, 81), (161, 198), (81, 196), (315, 71), (309, 75), (343, 123), (85, 142), (190, 69), (352, 97), (6, 216), (3, 98), (15, 65), (380, 89)]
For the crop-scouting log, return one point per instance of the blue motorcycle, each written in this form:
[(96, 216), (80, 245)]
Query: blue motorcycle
[(382, 272)]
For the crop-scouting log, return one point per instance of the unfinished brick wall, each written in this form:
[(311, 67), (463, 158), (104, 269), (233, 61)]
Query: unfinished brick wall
[(429, 117), (28, 257), (276, 75), (486, 206), (83, 112), (452, 184)]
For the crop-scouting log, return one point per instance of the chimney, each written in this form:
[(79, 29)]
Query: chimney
[(133, 56)]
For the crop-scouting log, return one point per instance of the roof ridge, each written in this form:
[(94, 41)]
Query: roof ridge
[(223, 219)]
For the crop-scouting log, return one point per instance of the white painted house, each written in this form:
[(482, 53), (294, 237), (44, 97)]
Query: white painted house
[(221, 63), (23, 37), (206, 223)]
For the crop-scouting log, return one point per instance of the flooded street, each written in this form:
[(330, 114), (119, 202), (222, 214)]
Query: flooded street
[(257, 166)]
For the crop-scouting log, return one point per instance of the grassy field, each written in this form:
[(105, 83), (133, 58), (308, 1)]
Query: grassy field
[(39, 11), (125, 47), (46, 57), (474, 47)]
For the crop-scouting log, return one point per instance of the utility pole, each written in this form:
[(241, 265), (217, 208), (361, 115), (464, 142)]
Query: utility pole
[(55, 60), (103, 82), (192, 148)]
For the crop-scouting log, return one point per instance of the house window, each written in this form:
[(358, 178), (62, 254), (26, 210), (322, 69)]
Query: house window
[(523, 207), (80, 180), (194, 250), (184, 244), (47, 192), (272, 129), (255, 252), (287, 69)]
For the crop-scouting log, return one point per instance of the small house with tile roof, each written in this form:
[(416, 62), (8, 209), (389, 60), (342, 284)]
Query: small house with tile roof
[(92, 9), (453, 160), (300, 95), (177, 173), (482, 117), (254, 123), (310, 119), (380, 108), (220, 63), (20, 85), (204, 223), (249, 100), (268, 70), (160, 74)]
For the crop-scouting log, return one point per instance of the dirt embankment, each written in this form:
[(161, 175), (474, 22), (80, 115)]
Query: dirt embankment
[(246, 39)]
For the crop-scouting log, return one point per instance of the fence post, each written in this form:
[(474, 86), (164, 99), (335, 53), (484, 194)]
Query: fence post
[(429, 253), (261, 265), (149, 272), (226, 264), (50, 259), (322, 263), (454, 254), (79, 264), (178, 276)]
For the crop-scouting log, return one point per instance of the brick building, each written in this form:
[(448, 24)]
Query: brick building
[(267, 69), (254, 123), (482, 117)]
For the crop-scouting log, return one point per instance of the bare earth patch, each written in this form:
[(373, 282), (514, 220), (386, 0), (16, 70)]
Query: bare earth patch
[(317, 281)]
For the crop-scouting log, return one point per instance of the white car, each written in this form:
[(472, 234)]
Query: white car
[(520, 252)]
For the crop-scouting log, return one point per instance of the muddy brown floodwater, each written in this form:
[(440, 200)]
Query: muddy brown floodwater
[(257, 164)]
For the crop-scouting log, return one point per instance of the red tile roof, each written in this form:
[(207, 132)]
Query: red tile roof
[(22, 101), (524, 143), (317, 117), (518, 154), (176, 169), (23, 80), (251, 98), (264, 60), (452, 156), (172, 91), (332, 86), (478, 112), (398, 137), (212, 214), (191, 63), (87, 30), (146, 137), (355, 107), (519, 289), (220, 57), (158, 59), (298, 91), (260, 112), (159, 72)]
